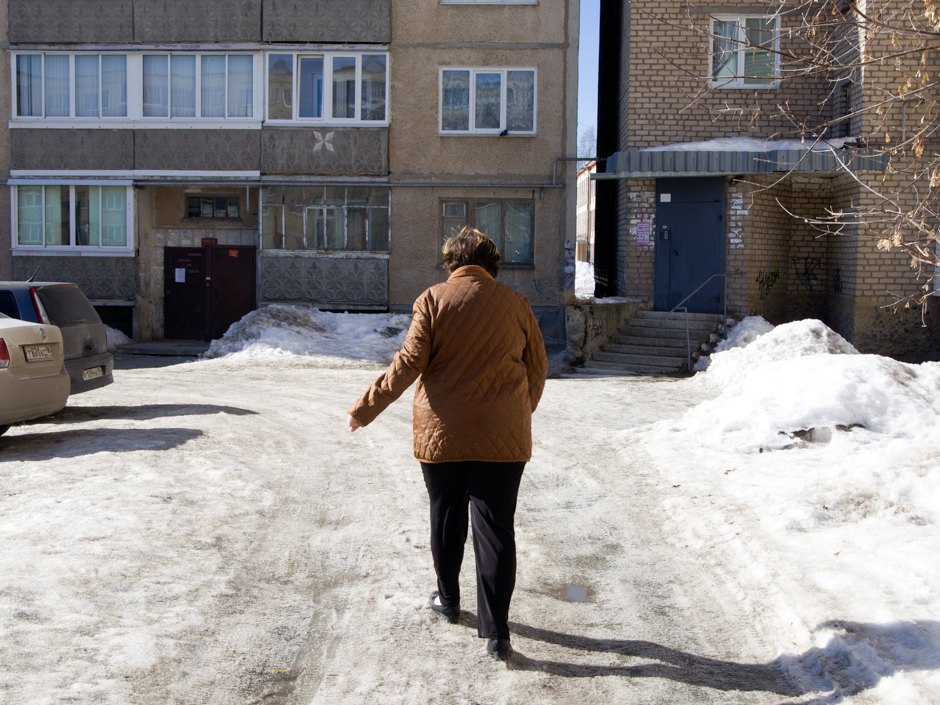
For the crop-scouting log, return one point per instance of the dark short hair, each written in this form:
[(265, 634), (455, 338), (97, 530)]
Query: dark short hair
[(470, 246)]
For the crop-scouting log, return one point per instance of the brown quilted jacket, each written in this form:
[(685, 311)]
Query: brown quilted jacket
[(475, 349)]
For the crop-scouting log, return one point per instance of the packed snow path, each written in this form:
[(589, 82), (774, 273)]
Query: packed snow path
[(210, 533)]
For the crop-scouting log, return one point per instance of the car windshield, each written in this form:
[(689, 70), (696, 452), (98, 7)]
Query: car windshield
[(66, 305)]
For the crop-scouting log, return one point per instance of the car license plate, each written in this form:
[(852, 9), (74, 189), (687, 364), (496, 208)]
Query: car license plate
[(38, 353), (92, 373)]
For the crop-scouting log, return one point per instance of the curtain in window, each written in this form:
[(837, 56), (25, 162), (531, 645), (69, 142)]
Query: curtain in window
[(489, 221), (114, 86), (518, 228), (520, 101), (455, 100), (280, 86), (86, 86), (725, 45), (57, 215), (87, 221), (29, 85), (378, 230), (29, 230), (344, 86), (156, 95), (213, 86), (759, 59), (328, 225), (311, 87), (183, 86), (240, 86), (488, 95), (57, 86), (113, 216), (373, 87)]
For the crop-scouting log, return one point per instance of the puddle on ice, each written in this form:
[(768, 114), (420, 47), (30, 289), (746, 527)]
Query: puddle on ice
[(576, 593)]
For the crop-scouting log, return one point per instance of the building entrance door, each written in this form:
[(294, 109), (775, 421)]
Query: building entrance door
[(206, 289), (690, 238)]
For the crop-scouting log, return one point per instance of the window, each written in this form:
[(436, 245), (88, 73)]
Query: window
[(488, 101), (326, 218), (339, 87), (65, 86), (508, 223), (216, 207), (744, 52), (198, 86), (76, 215)]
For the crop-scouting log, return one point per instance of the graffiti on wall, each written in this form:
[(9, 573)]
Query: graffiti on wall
[(807, 273), (767, 280)]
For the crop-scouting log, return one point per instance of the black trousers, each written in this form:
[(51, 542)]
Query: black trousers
[(489, 492)]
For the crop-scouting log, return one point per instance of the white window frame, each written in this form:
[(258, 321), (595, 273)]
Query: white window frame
[(127, 249), (326, 118), (504, 87), (199, 56), (743, 81), (134, 117), (72, 92)]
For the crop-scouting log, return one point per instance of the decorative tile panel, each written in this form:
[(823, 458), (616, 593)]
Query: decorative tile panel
[(97, 277), (325, 151), (197, 21), (48, 21), (197, 150), (72, 149), (325, 281), (327, 21)]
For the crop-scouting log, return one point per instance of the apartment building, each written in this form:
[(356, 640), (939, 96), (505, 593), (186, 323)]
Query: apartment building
[(187, 161), (712, 182), (584, 239)]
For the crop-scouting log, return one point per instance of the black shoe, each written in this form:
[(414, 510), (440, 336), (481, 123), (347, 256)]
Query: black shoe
[(451, 612), (499, 648)]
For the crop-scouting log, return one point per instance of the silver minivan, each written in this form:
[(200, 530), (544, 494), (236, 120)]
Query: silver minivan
[(89, 363)]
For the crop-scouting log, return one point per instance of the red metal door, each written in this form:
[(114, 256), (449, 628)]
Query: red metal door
[(206, 290), (184, 293)]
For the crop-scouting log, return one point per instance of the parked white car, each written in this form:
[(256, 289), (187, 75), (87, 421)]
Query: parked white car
[(33, 378)]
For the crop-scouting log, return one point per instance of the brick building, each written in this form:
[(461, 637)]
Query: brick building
[(705, 181), (186, 161)]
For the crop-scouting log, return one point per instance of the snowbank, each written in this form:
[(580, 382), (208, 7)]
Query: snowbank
[(285, 329)]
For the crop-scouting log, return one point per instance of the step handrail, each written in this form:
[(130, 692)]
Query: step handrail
[(685, 309)]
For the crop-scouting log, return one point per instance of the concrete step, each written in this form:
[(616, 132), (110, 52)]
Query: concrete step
[(606, 368), (642, 347), (676, 361)]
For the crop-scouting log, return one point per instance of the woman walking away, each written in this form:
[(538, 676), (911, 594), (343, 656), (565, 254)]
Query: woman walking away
[(475, 349)]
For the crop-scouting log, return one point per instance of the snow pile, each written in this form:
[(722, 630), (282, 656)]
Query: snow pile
[(802, 380), (752, 144), (285, 329), (116, 338), (858, 432), (584, 280)]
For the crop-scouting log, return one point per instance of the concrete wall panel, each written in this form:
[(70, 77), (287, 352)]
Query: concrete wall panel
[(97, 277), (41, 21), (71, 149), (197, 21), (360, 21), (326, 151), (197, 150)]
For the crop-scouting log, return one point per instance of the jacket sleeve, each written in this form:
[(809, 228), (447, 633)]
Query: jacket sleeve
[(536, 361), (404, 369)]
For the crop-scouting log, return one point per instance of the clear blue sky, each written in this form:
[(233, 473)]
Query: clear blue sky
[(587, 65)]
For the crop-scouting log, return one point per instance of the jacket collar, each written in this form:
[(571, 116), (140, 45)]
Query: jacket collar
[(470, 270)]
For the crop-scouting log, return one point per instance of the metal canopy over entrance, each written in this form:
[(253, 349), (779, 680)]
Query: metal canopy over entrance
[(699, 160)]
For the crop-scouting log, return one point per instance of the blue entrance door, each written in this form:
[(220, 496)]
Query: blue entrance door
[(690, 238)]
